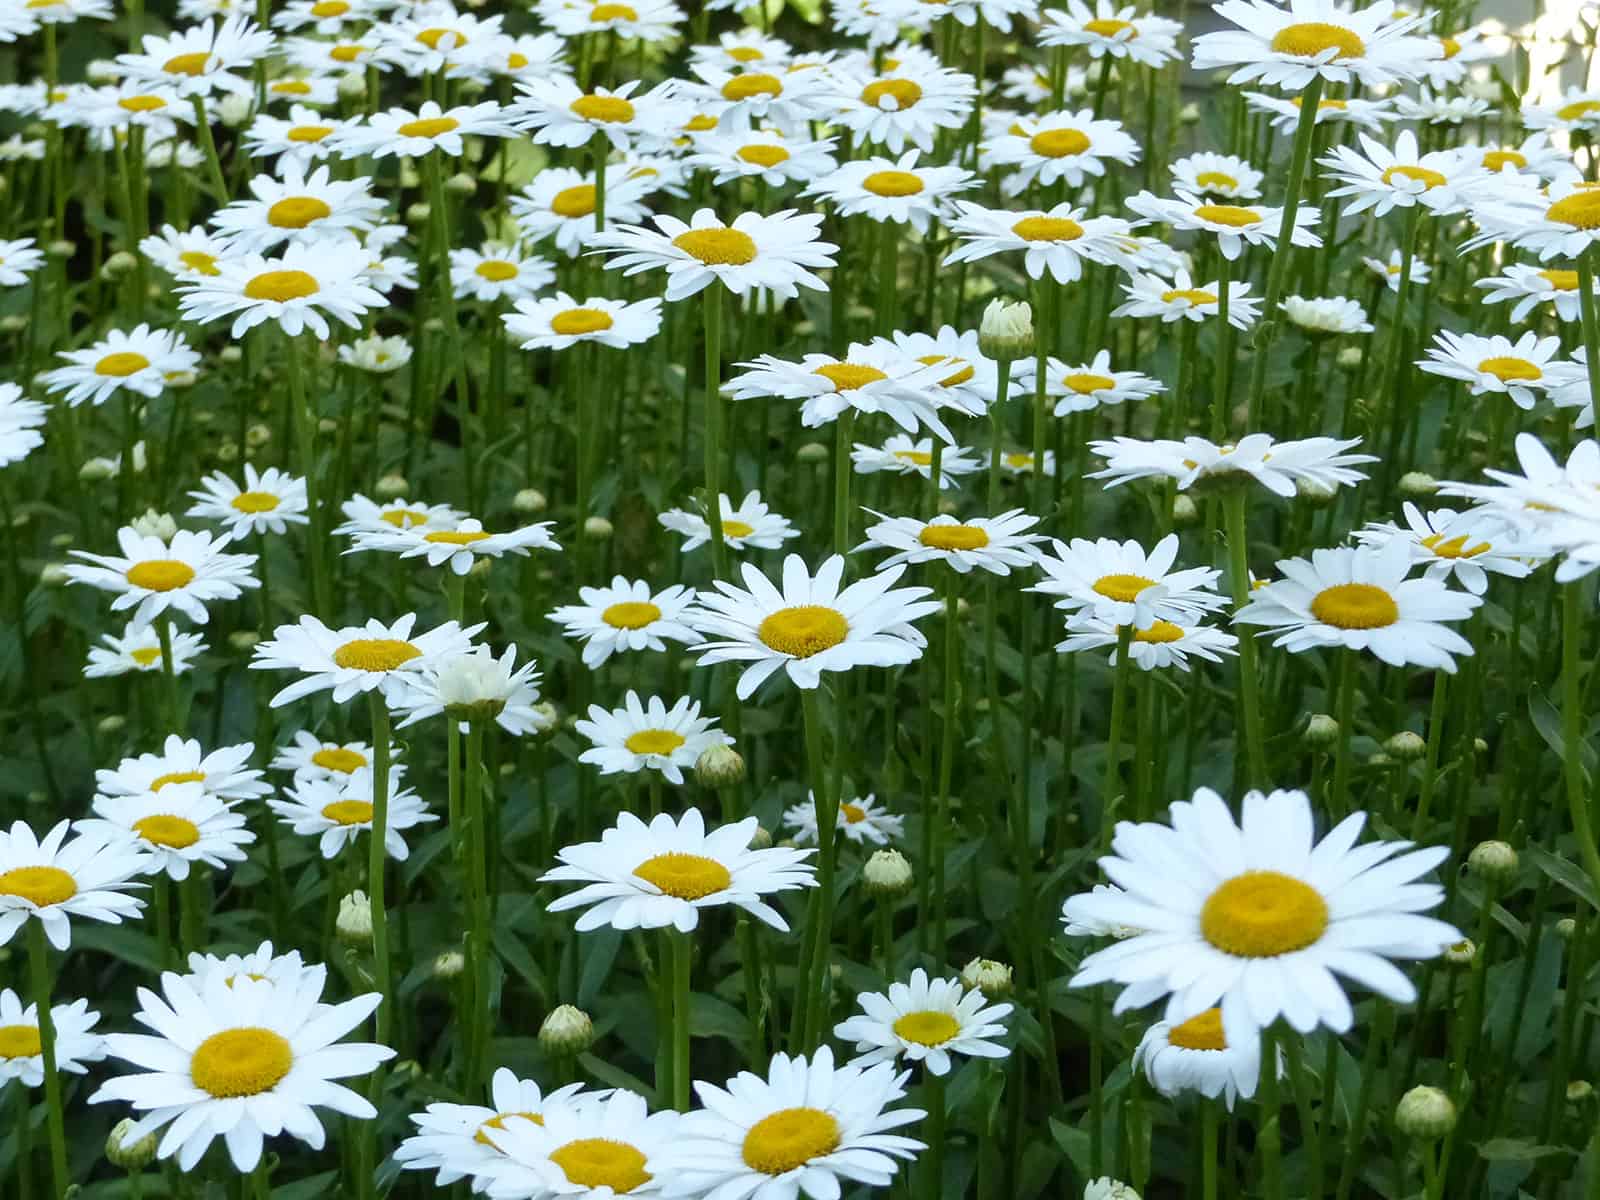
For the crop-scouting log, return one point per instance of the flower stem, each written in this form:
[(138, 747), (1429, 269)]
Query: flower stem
[(208, 145), (1249, 682), (377, 858), (680, 949), (478, 900), (947, 746), (1208, 1149), (1222, 382), (39, 964), (1269, 1135), (1572, 732), (1591, 329), (713, 431), (304, 421), (819, 925), (169, 676), (996, 425), (1430, 765), (1119, 694), (842, 467)]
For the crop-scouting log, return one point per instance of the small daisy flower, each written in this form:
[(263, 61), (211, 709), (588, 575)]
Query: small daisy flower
[(376, 355), (528, 56), (626, 616), (649, 737), (889, 189), (560, 322), (1181, 299), (261, 965), (1534, 155), (903, 456), (1088, 386), (1059, 147), (1113, 30), (1196, 1056), (871, 378), (139, 360), (640, 876), (20, 422), (293, 290), (1285, 111), (1280, 467), (1164, 644), (182, 824), (752, 524), (186, 254), (22, 1050), (589, 1145), (1460, 51), (475, 685), (1059, 240), (357, 658), (437, 37), (458, 547), (363, 515), (224, 773), (1389, 270), (1576, 109), (19, 258), (430, 128), (141, 652), (1532, 287), (646, 21), (453, 1139), (932, 1022), (1289, 47), (1235, 226), (1497, 364), (335, 811), (761, 154), (559, 205), (1217, 176), (969, 380), (751, 97), (1021, 462), (269, 502), (743, 49), (298, 208), (199, 60), (560, 113), (1382, 179), (52, 880), (345, 53), (498, 271), (906, 106), (151, 575), (774, 253), (311, 757), (1465, 546), (996, 544), (860, 820), (1440, 109), (1122, 583)]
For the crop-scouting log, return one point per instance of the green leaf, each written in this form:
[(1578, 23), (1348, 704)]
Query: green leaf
[(1518, 1150), (1561, 871)]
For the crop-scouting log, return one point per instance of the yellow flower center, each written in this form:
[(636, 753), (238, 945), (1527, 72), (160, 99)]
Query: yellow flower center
[(1232, 215), (1108, 28), (737, 529), (162, 830), (160, 574), (853, 814), (121, 364), (1203, 1032), (146, 656), (1159, 633), (281, 286), (1355, 606), (927, 1028), (496, 270), (1216, 181), (953, 537), (404, 518), (1497, 160), (963, 373), (745, 54), (1085, 384), (576, 321), (347, 53), (20, 1041), (348, 812), (803, 630), (254, 502), (1581, 210), (161, 781), (848, 377), (612, 12), (574, 201), (515, 61), (602, 1163), (338, 758), (40, 886), (374, 654), (291, 87), (653, 741), (1048, 229), (1562, 281), (427, 127), (498, 1121), (893, 183), (432, 37), (455, 537), (1455, 547), (717, 247), (140, 104), (763, 155), (631, 614), (1059, 143), (1262, 914), (1194, 297), (1580, 108), (1309, 39), (1508, 369), (904, 92), (199, 262), (1122, 587), (187, 64), (241, 1062), (1428, 179), (1450, 46), (329, 8), (686, 876), (1019, 460), (921, 457), (789, 1138), (608, 110), (744, 87), (701, 123)]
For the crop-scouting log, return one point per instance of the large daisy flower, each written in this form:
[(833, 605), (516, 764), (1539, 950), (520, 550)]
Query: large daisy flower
[(559, 205), (906, 106), (53, 880), (1518, 369), (1383, 179), (777, 253), (996, 544), (1466, 546), (595, 1144), (179, 826), (199, 60), (140, 360), (931, 1021), (298, 207), (1290, 46), (1280, 467), (152, 575), (452, 1140), (1059, 147), (294, 290), (357, 658)]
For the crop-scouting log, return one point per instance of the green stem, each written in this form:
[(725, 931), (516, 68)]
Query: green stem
[(1591, 330), (1572, 731), (1430, 765), (1249, 682), (39, 963), (814, 975), (1269, 1135), (377, 858), (842, 468), (996, 425), (208, 145), (680, 950), (1208, 1149), (169, 677), (478, 898), (304, 420), (941, 811), (713, 430), (1119, 696), (1222, 381)]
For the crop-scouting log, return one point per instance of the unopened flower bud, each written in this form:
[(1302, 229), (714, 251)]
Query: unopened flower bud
[(1184, 511), (530, 500), (719, 767), (549, 715), (418, 213), (1405, 746), (243, 639), (352, 86), (1425, 1113), (461, 184), (1107, 1188), (1006, 330), (1321, 731), (1415, 485), (1565, 928), (597, 528), (327, 426), (53, 574), (566, 1031), (112, 723), (1189, 114), (61, 541), (761, 839), (230, 355), (134, 1155), (1579, 1090), (228, 452), (1380, 759), (102, 71), (1495, 862), (155, 524), (811, 452), (233, 110), (392, 487), (1316, 493), (257, 435), (1349, 358), (887, 873), (354, 922), (481, 566), (61, 248), (449, 965), (95, 470), (14, 323), (986, 975), (118, 265), (1461, 954)]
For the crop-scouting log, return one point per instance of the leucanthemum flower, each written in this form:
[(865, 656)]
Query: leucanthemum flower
[(293, 290), (362, 514), (1389, 270), (1562, 220), (752, 524), (1059, 239), (809, 625), (357, 658), (244, 1060), (905, 106), (1531, 287), (1122, 583), (269, 502), (640, 876), (1577, 108), (1440, 109), (996, 544), (1285, 111), (141, 652), (1108, 28), (376, 355), (559, 205), (1359, 598), (299, 208), (626, 616), (749, 97), (1181, 299), (1058, 147), (1257, 918), (185, 254), (1234, 225), (199, 60), (1087, 386), (140, 360), (1196, 1056), (903, 456), (760, 154), (22, 1051), (327, 17), (1323, 316), (1466, 546), (180, 825), (1289, 47), (1164, 644), (889, 189), (1280, 467), (20, 422), (1534, 155), (743, 48), (807, 1127), (775, 253), (560, 113), (559, 322), (19, 258), (860, 820), (452, 1140), (968, 379), (311, 757), (430, 128), (873, 377), (152, 576), (458, 547), (1219, 176), (590, 1144), (261, 965), (53, 880), (498, 271), (648, 736), (475, 685), (1518, 369), (1382, 179), (337, 811), (225, 772), (648, 21), (927, 1021)]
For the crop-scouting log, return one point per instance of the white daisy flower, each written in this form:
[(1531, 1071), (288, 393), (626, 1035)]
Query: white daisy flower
[(1359, 598), (1122, 583), (1079, 919), (1059, 240), (1561, 221), (201, 59), (327, 17), (475, 685), (269, 502), (746, 98), (1577, 108), (182, 824), (1110, 29), (626, 616), (593, 1145), (498, 271), (1518, 369), (1382, 179), (364, 515), (1196, 1056), (996, 544), (761, 154), (560, 113), (346, 53), (559, 205), (1234, 225), (648, 736), (185, 254), (304, 89), (430, 128), (1534, 155), (969, 380), (640, 876), (1059, 147), (892, 189), (376, 355), (1465, 546), (903, 456), (1088, 386), (1164, 644), (294, 290), (336, 811), (357, 658), (932, 1022), (458, 547), (1389, 270), (20, 422), (860, 820), (873, 377), (527, 57), (742, 49), (1532, 287), (243, 1062), (139, 360), (22, 1051), (224, 773), (1280, 467), (53, 880), (904, 106), (19, 258), (1285, 111), (313, 758), (152, 575), (1218, 176), (1181, 299), (775, 253), (1257, 918), (437, 37), (1323, 316), (810, 625), (1289, 47), (452, 1140), (1440, 109), (807, 1127), (1460, 51), (298, 208), (752, 524), (644, 20), (261, 965), (560, 322), (141, 652)]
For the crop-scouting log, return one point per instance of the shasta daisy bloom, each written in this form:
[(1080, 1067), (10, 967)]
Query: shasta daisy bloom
[(22, 1050), (1553, 502), (649, 736), (311, 757), (1058, 147), (743, 49), (761, 154), (199, 60), (364, 515), (182, 824), (751, 524), (1285, 112), (1196, 1056), (860, 820), (1088, 386), (436, 36), (1122, 583), (646, 21), (475, 685), (527, 56), (185, 254), (151, 575), (1164, 644), (1576, 109), (754, 96), (1440, 109), (996, 544), (345, 53), (327, 17), (1219, 176), (1460, 51), (20, 422), (1289, 47), (1531, 287), (968, 379), (810, 625), (269, 502), (640, 876), (1466, 546), (141, 652), (139, 360), (19, 258), (293, 290), (376, 355), (498, 271), (298, 207), (1181, 299), (224, 773), (261, 965), (1534, 155), (775, 253), (560, 113), (871, 378), (336, 811), (932, 1022), (1111, 29), (453, 1139), (430, 128), (458, 547), (1497, 364), (906, 106), (1257, 917), (52, 880), (1561, 221), (1323, 316), (808, 1127), (1060, 239), (1359, 598), (304, 136), (591, 1144), (245, 1060), (303, 88), (626, 616), (889, 189), (1389, 270), (1234, 225), (560, 322), (1280, 467), (356, 658), (903, 456), (559, 205), (1382, 179), (1079, 918)]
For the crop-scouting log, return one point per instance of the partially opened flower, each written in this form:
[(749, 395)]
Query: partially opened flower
[(907, 105), (22, 1050), (474, 685), (53, 880)]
